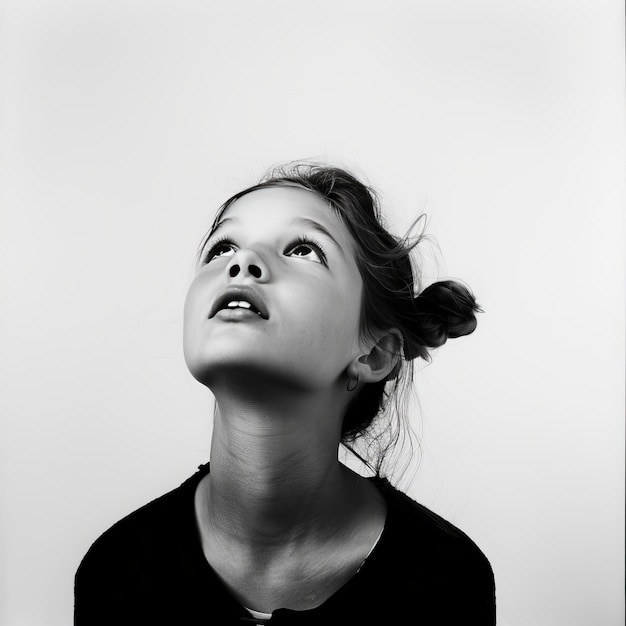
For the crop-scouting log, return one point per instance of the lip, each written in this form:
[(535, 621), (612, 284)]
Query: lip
[(241, 292)]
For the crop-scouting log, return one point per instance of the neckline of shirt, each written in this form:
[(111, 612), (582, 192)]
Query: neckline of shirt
[(381, 483)]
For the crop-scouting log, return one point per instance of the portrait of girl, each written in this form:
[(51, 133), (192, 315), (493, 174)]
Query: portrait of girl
[(312, 313), (302, 318)]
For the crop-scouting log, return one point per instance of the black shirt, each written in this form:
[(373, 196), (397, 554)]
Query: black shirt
[(149, 568)]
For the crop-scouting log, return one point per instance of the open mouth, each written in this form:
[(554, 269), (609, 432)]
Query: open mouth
[(242, 297)]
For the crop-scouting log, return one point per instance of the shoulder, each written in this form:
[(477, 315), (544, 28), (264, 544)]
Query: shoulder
[(135, 535), (143, 556), (422, 555), (428, 542)]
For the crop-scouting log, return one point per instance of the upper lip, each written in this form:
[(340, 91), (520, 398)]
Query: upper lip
[(240, 292)]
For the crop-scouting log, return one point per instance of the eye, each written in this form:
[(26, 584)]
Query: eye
[(220, 248), (307, 249)]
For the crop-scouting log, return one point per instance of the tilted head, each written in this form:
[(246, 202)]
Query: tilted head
[(392, 299)]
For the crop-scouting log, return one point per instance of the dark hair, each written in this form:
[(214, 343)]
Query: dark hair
[(392, 297)]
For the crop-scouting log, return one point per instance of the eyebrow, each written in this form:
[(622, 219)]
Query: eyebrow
[(221, 223), (305, 221)]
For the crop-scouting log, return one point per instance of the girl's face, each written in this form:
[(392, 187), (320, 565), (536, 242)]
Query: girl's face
[(277, 294)]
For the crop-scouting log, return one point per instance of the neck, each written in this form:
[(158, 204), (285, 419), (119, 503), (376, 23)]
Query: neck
[(274, 474)]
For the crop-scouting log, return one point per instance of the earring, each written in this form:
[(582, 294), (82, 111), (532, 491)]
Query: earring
[(350, 387)]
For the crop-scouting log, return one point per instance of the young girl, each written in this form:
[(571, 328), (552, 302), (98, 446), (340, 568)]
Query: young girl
[(301, 318)]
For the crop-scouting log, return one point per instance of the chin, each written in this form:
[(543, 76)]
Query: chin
[(247, 375), (227, 368)]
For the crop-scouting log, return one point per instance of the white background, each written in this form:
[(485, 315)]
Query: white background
[(125, 124)]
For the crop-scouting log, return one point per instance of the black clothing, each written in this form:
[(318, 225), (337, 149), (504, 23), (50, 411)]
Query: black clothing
[(149, 568)]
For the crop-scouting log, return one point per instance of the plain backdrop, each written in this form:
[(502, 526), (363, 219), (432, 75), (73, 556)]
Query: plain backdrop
[(125, 124)]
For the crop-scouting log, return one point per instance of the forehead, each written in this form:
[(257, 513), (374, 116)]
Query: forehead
[(273, 208), (283, 202)]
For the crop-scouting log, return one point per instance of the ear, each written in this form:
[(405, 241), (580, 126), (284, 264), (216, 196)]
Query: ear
[(380, 359)]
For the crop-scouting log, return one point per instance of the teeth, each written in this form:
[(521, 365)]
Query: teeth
[(241, 304)]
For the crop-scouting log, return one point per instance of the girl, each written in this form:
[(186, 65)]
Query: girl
[(301, 319)]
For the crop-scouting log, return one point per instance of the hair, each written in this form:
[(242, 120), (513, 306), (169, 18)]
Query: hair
[(392, 299)]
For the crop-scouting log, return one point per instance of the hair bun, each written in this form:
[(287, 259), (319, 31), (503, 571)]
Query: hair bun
[(444, 309)]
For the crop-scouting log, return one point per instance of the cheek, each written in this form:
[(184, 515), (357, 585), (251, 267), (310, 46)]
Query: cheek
[(199, 295), (193, 313), (332, 323), (188, 309)]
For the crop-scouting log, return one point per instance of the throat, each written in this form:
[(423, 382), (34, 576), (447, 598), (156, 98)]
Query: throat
[(267, 504), (274, 466)]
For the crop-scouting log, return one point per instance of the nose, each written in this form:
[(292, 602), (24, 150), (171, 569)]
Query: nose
[(248, 263)]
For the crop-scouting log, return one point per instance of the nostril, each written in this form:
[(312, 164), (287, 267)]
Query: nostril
[(234, 270), (254, 270)]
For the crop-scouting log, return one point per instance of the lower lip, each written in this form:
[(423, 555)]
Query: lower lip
[(237, 315)]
